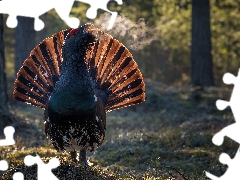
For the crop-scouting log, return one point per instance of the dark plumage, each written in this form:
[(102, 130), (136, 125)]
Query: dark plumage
[(78, 75)]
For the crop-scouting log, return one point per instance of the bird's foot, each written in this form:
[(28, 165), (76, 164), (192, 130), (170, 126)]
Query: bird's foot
[(74, 156), (83, 160), (84, 163)]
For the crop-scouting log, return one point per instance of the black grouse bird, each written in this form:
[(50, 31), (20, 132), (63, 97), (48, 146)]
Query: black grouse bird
[(76, 76)]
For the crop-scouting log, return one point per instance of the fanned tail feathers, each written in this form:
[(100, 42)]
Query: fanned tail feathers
[(109, 62), (112, 66), (39, 72)]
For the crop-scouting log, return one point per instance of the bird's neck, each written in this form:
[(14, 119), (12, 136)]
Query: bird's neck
[(74, 66)]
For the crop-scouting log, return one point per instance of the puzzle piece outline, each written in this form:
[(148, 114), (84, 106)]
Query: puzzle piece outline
[(232, 166), (44, 169), (6, 7), (92, 11), (218, 138), (62, 7), (8, 141), (230, 130)]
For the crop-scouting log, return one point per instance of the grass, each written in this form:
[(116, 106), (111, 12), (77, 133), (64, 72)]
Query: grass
[(166, 137)]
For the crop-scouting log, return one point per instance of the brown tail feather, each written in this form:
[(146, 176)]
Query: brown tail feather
[(36, 78), (115, 71)]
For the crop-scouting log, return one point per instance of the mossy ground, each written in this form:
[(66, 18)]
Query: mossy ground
[(166, 137)]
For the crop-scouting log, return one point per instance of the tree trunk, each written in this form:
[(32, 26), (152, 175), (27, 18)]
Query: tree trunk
[(4, 111), (201, 57), (25, 36)]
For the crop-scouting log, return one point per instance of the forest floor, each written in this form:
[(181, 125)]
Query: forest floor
[(169, 136)]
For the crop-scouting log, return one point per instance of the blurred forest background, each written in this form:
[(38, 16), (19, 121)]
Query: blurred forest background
[(178, 44)]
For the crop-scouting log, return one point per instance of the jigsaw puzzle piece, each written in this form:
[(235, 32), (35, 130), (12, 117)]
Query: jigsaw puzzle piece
[(44, 170), (95, 5), (229, 131), (228, 78), (63, 8), (234, 100), (8, 132), (16, 175), (233, 167), (224, 159), (21, 8)]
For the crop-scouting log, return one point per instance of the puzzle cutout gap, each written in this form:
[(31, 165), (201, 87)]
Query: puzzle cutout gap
[(231, 131), (44, 170), (8, 133), (62, 7)]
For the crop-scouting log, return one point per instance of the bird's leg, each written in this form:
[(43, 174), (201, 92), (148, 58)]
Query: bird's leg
[(82, 158), (74, 156)]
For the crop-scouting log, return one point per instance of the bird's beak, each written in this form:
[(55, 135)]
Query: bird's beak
[(89, 27)]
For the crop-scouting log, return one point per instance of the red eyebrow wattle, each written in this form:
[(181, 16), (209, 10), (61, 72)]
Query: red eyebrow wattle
[(73, 31)]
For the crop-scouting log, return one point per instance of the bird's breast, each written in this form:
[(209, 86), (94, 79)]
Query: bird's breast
[(72, 102), (75, 135), (78, 130)]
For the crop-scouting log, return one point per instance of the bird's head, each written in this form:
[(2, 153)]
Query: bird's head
[(81, 30), (78, 41)]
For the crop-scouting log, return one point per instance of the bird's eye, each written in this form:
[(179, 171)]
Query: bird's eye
[(73, 32)]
